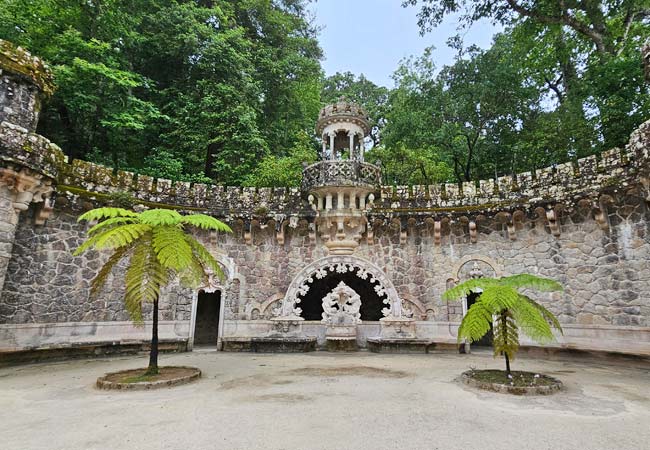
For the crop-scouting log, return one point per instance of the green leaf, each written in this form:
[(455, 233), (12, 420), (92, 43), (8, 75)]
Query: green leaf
[(156, 217), (205, 222)]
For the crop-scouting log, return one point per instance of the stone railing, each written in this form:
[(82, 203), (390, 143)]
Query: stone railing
[(340, 173)]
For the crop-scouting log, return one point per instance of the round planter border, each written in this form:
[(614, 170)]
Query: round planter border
[(466, 378), (104, 384)]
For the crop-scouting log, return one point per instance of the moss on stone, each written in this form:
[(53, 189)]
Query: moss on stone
[(19, 61)]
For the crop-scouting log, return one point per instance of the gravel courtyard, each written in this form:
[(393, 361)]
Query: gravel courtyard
[(324, 401)]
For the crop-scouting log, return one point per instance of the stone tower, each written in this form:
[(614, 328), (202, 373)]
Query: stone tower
[(341, 189), (29, 163)]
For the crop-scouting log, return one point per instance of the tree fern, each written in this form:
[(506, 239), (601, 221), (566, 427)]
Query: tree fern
[(157, 247), (503, 308)]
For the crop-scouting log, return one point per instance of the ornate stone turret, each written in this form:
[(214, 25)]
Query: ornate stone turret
[(28, 162), (343, 126), (341, 190)]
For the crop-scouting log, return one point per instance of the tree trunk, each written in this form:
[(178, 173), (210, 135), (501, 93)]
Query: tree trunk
[(504, 325), (153, 355)]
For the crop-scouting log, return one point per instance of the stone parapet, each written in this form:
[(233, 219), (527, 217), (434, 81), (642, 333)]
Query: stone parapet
[(563, 183)]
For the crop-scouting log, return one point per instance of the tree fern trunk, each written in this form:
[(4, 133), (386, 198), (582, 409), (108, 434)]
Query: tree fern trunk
[(153, 355), (504, 330)]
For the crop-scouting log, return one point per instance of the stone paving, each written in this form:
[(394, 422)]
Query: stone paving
[(324, 401)]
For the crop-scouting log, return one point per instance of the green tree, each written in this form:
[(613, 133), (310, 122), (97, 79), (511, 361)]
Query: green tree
[(587, 51), (502, 305), (157, 248), (214, 85), (284, 171)]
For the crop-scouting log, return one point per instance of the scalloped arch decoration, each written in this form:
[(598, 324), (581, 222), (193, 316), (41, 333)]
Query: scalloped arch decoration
[(336, 263)]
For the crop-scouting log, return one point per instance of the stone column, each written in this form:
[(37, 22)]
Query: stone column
[(324, 155), (332, 153), (29, 163), (351, 135)]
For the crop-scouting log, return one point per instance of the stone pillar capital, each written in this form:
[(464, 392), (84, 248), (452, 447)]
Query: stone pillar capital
[(25, 185)]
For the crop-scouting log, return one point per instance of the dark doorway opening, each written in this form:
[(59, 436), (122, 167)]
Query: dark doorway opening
[(371, 303), (486, 340), (206, 328)]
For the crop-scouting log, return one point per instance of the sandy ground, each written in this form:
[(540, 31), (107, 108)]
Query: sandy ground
[(324, 401)]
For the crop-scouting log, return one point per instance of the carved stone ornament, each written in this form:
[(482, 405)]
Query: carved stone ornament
[(342, 306), (341, 264)]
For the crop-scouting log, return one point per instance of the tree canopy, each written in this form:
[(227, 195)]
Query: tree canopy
[(229, 91)]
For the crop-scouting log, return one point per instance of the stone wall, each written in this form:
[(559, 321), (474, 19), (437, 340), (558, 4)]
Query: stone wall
[(605, 272)]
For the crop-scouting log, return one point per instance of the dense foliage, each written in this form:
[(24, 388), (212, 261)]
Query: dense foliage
[(174, 88), (501, 307), (157, 247), (563, 80), (229, 91)]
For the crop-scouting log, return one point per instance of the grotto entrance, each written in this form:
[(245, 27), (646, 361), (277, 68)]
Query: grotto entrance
[(371, 303), (206, 328), (486, 340)]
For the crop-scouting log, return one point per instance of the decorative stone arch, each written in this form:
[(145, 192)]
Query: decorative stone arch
[(457, 268), (214, 284), (498, 271), (266, 309), (341, 263)]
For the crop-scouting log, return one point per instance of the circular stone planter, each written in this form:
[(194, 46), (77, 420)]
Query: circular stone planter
[(134, 379), (524, 383)]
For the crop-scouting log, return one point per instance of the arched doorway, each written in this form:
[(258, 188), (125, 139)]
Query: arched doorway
[(371, 303), (207, 321), (328, 272)]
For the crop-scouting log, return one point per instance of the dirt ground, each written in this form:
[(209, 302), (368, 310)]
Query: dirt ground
[(324, 401)]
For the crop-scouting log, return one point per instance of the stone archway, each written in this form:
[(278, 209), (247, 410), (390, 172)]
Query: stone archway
[(364, 269), (215, 286)]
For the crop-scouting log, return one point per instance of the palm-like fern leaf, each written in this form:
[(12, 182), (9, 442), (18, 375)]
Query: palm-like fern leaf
[(525, 280), (120, 236), (171, 247), (205, 257), (155, 217), (100, 279), (105, 213), (506, 335), (205, 222), (476, 323), (112, 222), (467, 287)]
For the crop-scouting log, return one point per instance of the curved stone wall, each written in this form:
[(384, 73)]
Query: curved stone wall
[(585, 224)]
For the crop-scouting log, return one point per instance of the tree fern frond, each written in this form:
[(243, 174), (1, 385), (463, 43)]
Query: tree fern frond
[(497, 298), (101, 277), (114, 221), (532, 322), (135, 279), (156, 217), (476, 323), (529, 281), (467, 287), (144, 279), (505, 339), (205, 222), (172, 248), (105, 213), (205, 257), (548, 315), (120, 235)]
